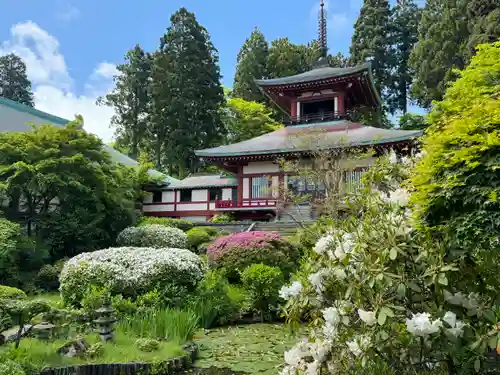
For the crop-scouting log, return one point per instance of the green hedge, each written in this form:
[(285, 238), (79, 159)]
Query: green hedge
[(167, 222), (8, 292)]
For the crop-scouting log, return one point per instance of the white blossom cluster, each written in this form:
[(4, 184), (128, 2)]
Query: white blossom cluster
[(129, 269), (336, 246), (421, 325), (293, 290), (306, 357), (154, 235)]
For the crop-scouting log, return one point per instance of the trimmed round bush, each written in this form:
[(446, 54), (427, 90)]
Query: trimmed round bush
[(8, 292), (157, 236), (237, 251), (196, 237), (167, 222), (130, 271)]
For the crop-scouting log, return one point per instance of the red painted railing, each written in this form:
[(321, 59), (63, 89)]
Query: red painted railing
[(253, 203)]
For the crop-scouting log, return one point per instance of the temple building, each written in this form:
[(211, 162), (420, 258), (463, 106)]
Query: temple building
[(320, 108)]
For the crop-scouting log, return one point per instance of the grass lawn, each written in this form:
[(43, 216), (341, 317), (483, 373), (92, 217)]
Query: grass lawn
[(54, 299), (123, 350), (253, 349)]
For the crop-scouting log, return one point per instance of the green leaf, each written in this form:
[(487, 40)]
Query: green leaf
[(393, 254), (414, 287), (401, 290), (442, 279), (490, 316), (492, 342), (388, 311), (382, 317), (477, 365)]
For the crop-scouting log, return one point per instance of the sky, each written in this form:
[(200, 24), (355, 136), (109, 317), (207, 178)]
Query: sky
[(71, 47)]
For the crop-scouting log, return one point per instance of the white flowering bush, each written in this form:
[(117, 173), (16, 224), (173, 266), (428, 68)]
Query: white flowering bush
[(129, 271), (153, 235), (381, 294)]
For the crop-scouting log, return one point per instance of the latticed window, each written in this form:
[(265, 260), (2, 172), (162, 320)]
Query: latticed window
[(261, 187)]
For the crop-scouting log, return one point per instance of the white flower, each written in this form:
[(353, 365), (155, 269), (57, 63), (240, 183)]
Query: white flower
[(397, 197), (317, 279), (367, 316), (359, 345), (457, 330), (286, 292), (288, 370), (319, 350), (332, 316), (454, 299), (393, 158), (295, 355), (153, 235), (421, 325), (313, 368), (339, 273), (324, 244), (471, 303), (450, 318)]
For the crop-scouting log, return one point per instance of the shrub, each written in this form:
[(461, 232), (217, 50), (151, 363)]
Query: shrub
[(212, 231), (197, 237), (10, 367), (214, 302), (129, 271), (95, 350), (167, 222), (237, 251), (154, 235), (48, 277), (262, 284), (7, 292), (222, 218)]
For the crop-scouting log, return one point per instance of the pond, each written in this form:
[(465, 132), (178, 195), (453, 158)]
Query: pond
[(212, 371)]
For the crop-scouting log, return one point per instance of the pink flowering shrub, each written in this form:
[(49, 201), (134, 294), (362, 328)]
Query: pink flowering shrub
[(237, 251)]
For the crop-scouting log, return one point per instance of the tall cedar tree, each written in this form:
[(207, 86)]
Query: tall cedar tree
[(252, 61), (371, 40), (186, 94), (483, 18), (442, 37), (287, 59), (130, 100), (404, 22), (14, 82)]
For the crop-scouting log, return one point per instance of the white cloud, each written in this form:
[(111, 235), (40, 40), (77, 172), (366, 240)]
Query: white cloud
[(339, 19), (53, 87)]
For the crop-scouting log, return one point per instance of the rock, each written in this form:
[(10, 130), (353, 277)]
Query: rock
[(11, 334), (74, 348)]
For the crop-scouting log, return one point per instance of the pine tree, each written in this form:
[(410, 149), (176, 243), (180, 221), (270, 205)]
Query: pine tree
[(287, 59), (14, 82), (186, 95), (252, 61), (371, 40), (130, 100), (442, 35), (404, 27)]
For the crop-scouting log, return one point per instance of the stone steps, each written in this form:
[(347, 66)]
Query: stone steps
[(285, 229)]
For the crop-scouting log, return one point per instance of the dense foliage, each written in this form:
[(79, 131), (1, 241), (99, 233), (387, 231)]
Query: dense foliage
[(129, 271), (152, 235), (8, 292), (235, 252), (14, 82), (456, 181), (185, 225)]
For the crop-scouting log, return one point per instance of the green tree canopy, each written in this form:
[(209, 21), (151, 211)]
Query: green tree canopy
[(14, 82), (130, 100), (252, 64), (62, 186), (371, 40), (404, 28), (287, 59), (186, 95), (245, 120), (457, 182), (410, 121)]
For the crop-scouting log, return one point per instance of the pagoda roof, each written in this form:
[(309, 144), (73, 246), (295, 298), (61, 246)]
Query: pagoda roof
[(310, 138), (203, 181), (316, 74)]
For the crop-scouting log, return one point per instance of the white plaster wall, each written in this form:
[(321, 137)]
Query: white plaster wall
[(227, 194), (261, 167), (246, 188), (199, 195), (195, 218), (212, 206), (168, 196), (192, 207), (158, 208), (275, 187)]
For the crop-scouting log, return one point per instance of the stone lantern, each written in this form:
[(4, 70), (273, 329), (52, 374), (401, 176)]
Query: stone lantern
[(44, 330), (105, 322)]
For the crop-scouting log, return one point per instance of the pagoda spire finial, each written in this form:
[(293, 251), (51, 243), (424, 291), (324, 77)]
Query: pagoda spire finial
[(322, 30)]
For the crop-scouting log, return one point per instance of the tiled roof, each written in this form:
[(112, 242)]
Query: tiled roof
[(200, 181), (310, 137), (314, 75), (45, 117)]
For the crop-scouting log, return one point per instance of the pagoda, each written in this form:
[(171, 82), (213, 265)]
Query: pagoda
[(323, 101)]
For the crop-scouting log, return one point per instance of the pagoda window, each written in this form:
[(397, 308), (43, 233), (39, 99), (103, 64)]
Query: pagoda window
[(157, 196), (214, 194), (318, 108), (261, 186), (186, 195)]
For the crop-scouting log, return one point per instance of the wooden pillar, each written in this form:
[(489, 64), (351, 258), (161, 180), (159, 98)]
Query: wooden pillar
[(341, 105), (240, 183), (293, 109)]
